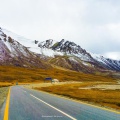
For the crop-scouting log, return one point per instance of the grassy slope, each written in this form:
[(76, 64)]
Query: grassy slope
[(25, 75)]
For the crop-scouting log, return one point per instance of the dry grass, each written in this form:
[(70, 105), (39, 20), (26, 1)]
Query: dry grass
[(109, 98), (9, 74), (3, 94), (5, 84)]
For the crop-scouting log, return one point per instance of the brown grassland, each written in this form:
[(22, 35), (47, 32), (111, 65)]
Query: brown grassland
[(106, 98), (9, 75)]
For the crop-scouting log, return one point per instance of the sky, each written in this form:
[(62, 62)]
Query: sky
[(93, 24)]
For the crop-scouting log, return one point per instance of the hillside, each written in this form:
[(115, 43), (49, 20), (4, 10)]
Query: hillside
[(28, 75)]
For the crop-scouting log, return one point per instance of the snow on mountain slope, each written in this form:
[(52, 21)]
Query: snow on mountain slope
[(66, 48), (14, 53), (4, 52), (109, 63), (51, 47), (97, 57), (45, 48), (33, 45), (20, 39), (13, 45)]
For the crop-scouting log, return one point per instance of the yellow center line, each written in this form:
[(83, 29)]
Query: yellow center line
[(6, 112)]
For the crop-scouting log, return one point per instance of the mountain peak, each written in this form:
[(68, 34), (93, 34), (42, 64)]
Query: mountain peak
[(46, 44)]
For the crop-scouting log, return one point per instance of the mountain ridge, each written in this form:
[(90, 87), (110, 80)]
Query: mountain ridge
[(52, 52)]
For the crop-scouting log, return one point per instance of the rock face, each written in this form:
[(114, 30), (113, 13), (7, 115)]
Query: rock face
[(19, 51)]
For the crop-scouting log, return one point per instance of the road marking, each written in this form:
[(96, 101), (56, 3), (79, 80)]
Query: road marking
[(6, 112), (54, 108)]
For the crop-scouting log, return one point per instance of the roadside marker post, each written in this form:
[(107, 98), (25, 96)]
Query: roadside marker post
[(48, 78)]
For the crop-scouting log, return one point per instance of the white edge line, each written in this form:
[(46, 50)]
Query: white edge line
[(54, 108)]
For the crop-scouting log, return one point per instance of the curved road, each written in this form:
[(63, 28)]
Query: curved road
[(27, 104)]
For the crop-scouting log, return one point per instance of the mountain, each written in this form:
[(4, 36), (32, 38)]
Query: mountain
[(77, 57), (108, 63), (12, 52), (19, 51), (67, 48)]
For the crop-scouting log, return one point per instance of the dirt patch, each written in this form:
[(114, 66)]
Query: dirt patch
[(40, 85), (103, 87), (108, 87)]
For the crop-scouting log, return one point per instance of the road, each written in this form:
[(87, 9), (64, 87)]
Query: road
[(27, 104)]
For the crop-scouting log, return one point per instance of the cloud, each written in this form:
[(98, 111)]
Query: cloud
[(93, 24), (113, 55)]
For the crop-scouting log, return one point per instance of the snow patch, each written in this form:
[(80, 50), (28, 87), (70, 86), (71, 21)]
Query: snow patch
[(49, 52), (84, 63), (20, 39), (73, 59)]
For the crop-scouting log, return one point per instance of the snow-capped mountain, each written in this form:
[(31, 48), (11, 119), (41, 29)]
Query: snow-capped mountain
[(63, 53), (66, 47), (108, 63), (51, 47), (12, 52), (87, 59)]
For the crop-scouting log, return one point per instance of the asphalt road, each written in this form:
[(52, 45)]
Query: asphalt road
[(26, 104)]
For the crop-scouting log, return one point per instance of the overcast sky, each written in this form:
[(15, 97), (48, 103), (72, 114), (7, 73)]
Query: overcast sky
[(93, 24)]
